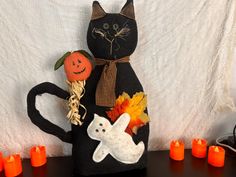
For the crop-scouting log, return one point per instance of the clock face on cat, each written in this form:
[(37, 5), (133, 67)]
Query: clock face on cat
[(112, 36)]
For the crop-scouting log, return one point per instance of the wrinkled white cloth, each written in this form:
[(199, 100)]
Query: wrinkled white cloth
[(183, 60)]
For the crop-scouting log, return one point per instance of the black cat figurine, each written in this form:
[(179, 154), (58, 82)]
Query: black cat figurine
[(111, 38)]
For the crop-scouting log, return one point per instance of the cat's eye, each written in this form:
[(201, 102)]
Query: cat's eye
[(106, 26), (115, 26), (97, 130)]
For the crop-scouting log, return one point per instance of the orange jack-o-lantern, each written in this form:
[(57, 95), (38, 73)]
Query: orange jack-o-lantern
[(78, 65)]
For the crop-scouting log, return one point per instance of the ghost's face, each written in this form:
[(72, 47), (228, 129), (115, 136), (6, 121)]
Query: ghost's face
[(98, 128)]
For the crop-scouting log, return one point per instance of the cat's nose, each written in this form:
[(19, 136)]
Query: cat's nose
[(109, 36)]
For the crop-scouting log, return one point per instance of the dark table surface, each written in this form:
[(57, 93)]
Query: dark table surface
[(159, 165)]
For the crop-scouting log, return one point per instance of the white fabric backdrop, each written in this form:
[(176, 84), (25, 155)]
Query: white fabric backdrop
[(178, 42)]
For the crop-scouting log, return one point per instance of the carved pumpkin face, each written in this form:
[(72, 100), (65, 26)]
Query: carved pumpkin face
[(77, 67)]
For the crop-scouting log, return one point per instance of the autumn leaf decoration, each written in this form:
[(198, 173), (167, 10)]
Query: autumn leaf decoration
[(134, 106)]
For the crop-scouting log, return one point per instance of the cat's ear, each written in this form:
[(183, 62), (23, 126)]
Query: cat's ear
[(128, 10), (98, 11)]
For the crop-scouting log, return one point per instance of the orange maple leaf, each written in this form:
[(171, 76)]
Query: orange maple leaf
[(134, 106)]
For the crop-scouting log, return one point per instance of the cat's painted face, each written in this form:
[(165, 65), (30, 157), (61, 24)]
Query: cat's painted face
[(112, 36)]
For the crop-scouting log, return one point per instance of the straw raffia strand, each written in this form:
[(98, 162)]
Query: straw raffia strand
[(77, 91)]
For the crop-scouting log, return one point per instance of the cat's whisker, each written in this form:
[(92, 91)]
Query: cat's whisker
[(98, 31), (122, 38), (123, 32), (103, 34), (117, 30), (93, 33)]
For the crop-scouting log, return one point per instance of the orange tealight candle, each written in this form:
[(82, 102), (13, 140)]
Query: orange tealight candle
[(12, 165), (199, 148), (177, 150), (1, 162), (216, 156), (38, 156)]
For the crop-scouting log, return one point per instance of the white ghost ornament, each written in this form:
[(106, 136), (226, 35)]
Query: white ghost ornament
[(114, 140)]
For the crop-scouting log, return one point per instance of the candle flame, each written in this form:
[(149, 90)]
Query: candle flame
[(37, 149), (176, 143), (216, 149), (199, 141), (11, 159)]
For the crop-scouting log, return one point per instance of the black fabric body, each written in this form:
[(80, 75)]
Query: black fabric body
[(126, 81), (38, 119), (83, 146)]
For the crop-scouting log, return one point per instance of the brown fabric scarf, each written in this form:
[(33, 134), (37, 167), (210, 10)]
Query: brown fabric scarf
[(105, 92)]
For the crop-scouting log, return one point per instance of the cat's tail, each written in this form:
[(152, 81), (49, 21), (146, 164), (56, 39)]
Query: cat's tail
[(38, 119)]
